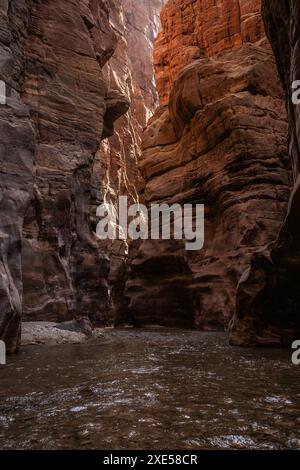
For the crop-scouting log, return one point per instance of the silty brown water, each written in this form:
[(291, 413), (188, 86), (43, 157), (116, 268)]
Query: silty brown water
[(150, 390)]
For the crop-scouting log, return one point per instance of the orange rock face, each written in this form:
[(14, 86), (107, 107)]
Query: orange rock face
[(194, 29), (221, 141), (268, 300)]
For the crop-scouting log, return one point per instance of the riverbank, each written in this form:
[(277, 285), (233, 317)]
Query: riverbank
[(52, 334)]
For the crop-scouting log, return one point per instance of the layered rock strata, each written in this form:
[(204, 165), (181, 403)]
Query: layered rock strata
[(116, 173), (59, 107), (219, 138), (72, 70), (268, 301), (17, 166)]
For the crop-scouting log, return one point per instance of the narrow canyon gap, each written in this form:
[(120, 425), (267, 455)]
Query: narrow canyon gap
[(69, 77), (218, 138), (80, 91)]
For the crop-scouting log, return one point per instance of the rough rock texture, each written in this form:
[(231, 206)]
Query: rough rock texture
[(72, 70), (50, 334), (52, 58), (130, 70), (71, 108), (268, 302), (193, 29), (221, 141), (17, 168)]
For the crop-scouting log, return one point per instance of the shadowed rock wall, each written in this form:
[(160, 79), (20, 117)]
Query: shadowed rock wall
[(58, 111), (268, 302), (219, 138)]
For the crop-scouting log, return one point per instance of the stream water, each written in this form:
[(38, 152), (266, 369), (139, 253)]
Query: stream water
[(150, 390)]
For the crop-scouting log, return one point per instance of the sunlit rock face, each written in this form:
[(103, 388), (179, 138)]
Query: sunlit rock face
[(219, 138), (73, 69), (194, 29), (130, 70), (59, 108), (268, 301)]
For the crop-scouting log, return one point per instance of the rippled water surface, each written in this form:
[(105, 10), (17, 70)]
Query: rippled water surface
[(150, 390)]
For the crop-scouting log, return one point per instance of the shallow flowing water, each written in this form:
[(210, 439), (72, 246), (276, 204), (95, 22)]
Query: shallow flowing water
[(150, 390)]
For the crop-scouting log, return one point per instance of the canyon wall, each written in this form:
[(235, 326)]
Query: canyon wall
[(72, 69), (218, 138), (72, 109), (55, 116), (79, 92), (17, 166), (268, 302), (136, 25)]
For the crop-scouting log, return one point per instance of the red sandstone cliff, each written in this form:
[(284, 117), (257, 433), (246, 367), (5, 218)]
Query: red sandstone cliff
[(72, 69), (194, 29), (268, 300), (218, 139)]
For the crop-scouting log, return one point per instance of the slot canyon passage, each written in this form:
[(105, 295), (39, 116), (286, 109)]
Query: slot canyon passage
[(145, 345)]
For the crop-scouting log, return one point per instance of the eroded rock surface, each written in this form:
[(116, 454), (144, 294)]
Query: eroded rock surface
[(220, 140), (72, 70), (58, 110), (268, 301), (193, 29), (17, 168), (130, 70)]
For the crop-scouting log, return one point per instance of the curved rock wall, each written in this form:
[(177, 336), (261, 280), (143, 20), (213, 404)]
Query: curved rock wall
[(116, 173), (72, 69), (71, 108), (268, 302), (58, 111), (219, 137), (194, 29), (17, 166), (220, 140)]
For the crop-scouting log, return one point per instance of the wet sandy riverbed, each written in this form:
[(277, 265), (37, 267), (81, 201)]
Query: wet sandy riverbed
[(150, 390)]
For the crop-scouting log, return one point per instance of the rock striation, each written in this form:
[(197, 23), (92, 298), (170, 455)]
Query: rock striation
[(130, 70), (218, 138), (59, 107), (268, 301), (17, 166), (71, 109), (72, 70), (79, 92), (194, 29)]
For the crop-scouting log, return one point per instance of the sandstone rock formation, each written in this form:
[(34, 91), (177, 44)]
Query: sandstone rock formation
[(219, 138), (72, 70), (130, 70), (17, 167), (193, 29), (58, 111), (268, 303)]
